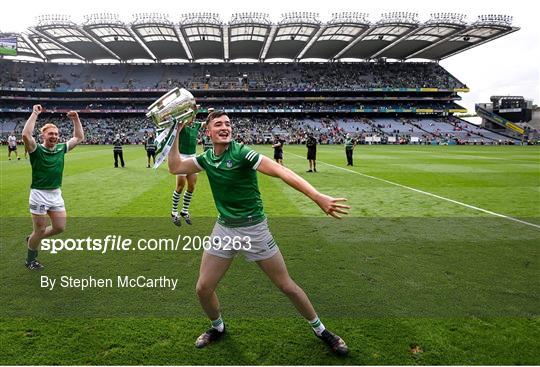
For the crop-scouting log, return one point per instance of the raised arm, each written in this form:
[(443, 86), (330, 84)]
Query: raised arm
[(78, 133), (328, 204), (176, 164), (28, 139)]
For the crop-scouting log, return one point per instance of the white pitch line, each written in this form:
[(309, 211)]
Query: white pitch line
[(430, 194), (465, 156)]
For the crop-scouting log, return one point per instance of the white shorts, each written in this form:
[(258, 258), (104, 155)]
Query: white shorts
[(42, 201), (186, 156), (254, 242)]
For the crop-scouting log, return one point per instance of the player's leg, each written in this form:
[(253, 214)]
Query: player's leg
[(188, 195), (176, 196), (148, 155), (115, 153), (43, 230), (39, 225), (212, 269), (314, 164), (58, 223), (276, 270), (121, 154)]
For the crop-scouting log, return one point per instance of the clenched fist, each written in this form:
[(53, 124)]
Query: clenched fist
[(72, 115), (37, 109)]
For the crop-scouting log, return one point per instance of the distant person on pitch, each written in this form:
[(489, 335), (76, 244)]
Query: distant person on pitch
[(118, 151), (350, 143), (47, 160), (311, 144), (150, 146), (12, 146), (278, 150)]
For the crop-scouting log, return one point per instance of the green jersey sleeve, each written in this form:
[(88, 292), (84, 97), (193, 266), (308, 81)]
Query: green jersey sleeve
[(200, 161), (249, 157)]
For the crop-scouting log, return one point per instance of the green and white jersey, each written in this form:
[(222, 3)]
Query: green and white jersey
[(233, 180), (188, 138), (349, 143), (47, 166)]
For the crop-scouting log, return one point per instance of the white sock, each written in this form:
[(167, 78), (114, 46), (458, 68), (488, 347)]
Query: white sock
[(218, 324), (317, 326)]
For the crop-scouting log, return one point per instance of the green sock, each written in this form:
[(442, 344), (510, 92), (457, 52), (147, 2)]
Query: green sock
[(218, 324), (32, 254)]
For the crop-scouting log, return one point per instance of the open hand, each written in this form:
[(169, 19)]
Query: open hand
[(331, 206)]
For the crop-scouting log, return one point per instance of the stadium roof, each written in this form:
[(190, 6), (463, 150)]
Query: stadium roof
[(297, 36)]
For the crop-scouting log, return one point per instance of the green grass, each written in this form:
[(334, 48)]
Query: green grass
[(404, 269)]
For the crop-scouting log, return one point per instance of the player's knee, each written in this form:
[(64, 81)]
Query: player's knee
[(290, 288), (203, 289)]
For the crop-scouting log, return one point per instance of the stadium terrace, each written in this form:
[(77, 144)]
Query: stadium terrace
[(379, 81)]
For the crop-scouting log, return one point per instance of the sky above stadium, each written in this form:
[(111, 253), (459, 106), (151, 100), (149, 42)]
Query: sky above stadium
[(506, 66)]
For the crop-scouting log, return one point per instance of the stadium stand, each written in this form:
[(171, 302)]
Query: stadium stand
[(393, 102), (295, 77)]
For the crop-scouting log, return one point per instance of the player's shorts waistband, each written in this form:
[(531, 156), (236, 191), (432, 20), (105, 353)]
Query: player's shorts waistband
[(241, 222)]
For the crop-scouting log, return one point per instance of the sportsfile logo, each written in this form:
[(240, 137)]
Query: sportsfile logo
[(115, 243)]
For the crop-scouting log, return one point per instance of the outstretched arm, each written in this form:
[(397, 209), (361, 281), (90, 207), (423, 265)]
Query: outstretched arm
[(28, 139), (78, 134), (177, 165), (329, 205)]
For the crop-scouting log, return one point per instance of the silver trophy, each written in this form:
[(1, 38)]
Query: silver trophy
[(177, 104)]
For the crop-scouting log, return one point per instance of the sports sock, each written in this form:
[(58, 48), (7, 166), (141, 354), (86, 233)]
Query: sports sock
[(175, 199), (218, 324), (317, 326), (187, 200), (32, 254)]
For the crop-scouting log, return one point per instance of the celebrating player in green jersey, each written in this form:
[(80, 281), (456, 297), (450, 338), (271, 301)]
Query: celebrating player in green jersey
[(47, 160), (232, 168), (188, 148)]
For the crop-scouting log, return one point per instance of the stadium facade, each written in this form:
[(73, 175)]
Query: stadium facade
[(298, 69)]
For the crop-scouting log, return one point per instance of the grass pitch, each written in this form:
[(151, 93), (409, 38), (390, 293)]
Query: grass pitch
[(437, 263)]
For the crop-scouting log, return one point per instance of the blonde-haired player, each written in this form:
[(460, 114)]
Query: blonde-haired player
[(47, 160)]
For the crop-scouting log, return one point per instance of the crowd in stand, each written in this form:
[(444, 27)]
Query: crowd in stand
[(131, 130), (292, 76), (254, 106), (261, 129)]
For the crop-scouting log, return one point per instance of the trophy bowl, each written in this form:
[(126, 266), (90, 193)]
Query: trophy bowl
[(177, 104)]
